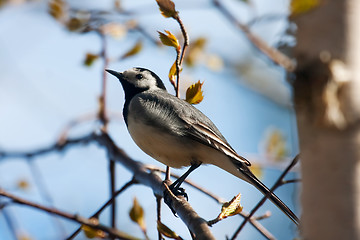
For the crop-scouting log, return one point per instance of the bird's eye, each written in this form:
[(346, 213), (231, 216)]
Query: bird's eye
[(139, 76)]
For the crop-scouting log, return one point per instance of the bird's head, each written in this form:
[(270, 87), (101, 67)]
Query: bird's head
[(138, 80)]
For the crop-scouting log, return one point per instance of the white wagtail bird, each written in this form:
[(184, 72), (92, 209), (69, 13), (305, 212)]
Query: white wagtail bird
[(177, 134)]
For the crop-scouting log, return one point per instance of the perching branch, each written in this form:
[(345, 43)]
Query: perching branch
[(253, 221), (141, 174), (193, 221)]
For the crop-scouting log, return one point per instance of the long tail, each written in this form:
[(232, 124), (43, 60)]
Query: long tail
[(251, 178)]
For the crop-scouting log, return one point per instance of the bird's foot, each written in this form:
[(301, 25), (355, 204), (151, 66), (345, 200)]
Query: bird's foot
[(177, 191), (180, 192)]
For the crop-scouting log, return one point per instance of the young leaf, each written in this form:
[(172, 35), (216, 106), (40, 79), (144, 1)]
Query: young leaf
[(194, 94), (231, 208), (23, 184), (91, 232), (167, 232), (134, 50), (137, 214), (167, 8), (228, 209), (58, 9), (118, 5), (74, 24), (90, 59), (169, 39), (173, 73), (298, 7)]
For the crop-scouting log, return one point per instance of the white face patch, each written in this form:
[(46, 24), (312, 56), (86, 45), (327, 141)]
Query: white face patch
[(140, 79)]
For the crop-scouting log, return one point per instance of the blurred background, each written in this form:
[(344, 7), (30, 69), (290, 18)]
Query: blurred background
[(51, 76)]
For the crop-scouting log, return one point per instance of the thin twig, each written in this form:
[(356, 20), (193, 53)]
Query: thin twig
[(102, 208), (102, 99), (275, 55), (140, 170), (44, 193), (267, 18), (112, 168), (73, 123), (186, 38), (158, 214), (261, 202), (261, 229), (290, 181), (58, 146), (267, 214), (73, 217), (178, 67)]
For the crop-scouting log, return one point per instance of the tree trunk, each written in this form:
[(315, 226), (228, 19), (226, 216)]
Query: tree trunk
[(327, 97)]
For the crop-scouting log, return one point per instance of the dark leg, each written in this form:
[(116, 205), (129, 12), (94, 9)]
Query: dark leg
[(176, 185), (176, 189)]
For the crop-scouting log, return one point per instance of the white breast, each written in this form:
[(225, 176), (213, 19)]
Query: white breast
[(162, 146)]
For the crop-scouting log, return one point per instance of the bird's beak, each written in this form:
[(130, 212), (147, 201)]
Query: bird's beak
[(119, 75)]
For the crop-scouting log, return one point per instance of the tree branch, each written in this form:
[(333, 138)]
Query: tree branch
[(277, 184), (140, 171), (150, 179), (58, 146), (272, 53), (84, 221), (253, 221), (111, 200)]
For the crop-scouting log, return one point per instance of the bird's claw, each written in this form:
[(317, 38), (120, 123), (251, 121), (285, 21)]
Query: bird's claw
[(177, 192), (180, 192)]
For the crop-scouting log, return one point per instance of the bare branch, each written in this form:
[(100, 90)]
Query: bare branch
[(102, 99), (58, 146), (150, 179), (290, 181), (186, 38), (158, 214), (112, 168), (111, 200), (84, 221), (274, 54), (277, 184), (45, 194), (141, 173)]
